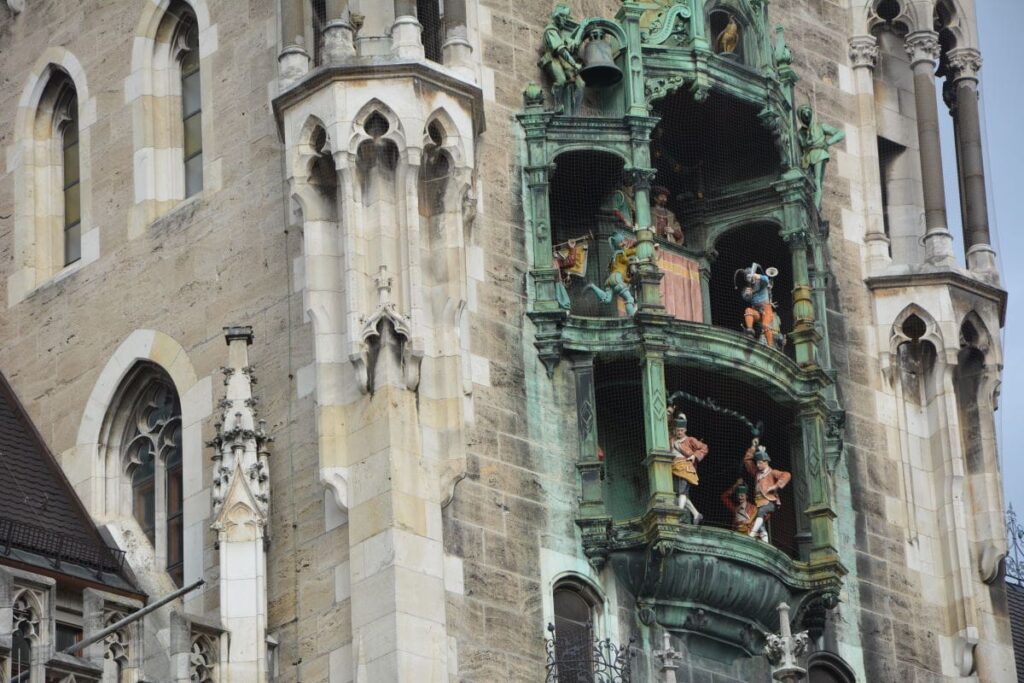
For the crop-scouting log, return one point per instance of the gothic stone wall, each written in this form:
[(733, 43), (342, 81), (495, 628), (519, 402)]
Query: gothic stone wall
[(514, 511), (224, 257)]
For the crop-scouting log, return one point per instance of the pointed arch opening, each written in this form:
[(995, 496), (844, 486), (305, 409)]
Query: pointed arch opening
[(168, 105), (143, 437)]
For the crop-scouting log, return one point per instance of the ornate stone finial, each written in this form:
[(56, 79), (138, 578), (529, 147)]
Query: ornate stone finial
[(785, 648), (383, 281), (241, 442), (923, 46), (669, 658), (533, 95), (863, 52), (965, 62), (398, 335)]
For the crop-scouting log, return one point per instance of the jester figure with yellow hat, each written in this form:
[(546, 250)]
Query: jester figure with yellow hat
[(687, 451), (768, 484)]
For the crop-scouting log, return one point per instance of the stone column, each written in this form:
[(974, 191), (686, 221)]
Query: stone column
[(804, 335), (863, 58), (406, 42), (399, 628), (659, 457), (293, 61), (923, 48), (458, 52), (338, 45), (964, 64), (648, 275), (241, 498)]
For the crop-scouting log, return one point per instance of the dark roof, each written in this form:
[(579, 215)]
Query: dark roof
[(1015, 603), (42, 521)]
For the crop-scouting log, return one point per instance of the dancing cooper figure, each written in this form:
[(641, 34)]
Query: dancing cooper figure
[(687, 452), (768, 484)]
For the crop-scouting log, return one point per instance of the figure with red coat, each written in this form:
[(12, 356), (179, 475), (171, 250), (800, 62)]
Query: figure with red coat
[(768, 484), (736, 501), (687, 452)]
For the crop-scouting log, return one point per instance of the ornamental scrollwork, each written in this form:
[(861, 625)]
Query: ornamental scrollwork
[(659, 86), (672, 24)]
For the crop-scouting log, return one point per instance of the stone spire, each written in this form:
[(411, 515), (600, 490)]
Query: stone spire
[(240, 446), (241, 501)]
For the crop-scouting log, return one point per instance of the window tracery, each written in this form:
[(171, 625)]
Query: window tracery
[(202, 660), (26, 620), (145, 442)]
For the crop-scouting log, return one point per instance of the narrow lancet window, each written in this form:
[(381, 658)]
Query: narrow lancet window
[(192, 110), (72, 182)]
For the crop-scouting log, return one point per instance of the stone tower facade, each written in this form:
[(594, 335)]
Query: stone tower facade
[(409, 300)]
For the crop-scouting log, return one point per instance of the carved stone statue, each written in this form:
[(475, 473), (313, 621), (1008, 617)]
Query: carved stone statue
[(768, 483), (618, 280), (561, 41), (736, 500), (815, 139), (687, 451), (729, 39), (666, 226)]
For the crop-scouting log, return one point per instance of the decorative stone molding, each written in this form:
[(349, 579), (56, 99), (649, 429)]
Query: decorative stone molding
[(863, 52), (386, 330), (965, 63), (241, 505), (923, 46), (240, 446)]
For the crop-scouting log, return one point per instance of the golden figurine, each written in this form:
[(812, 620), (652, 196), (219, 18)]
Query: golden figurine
[(729, 39)]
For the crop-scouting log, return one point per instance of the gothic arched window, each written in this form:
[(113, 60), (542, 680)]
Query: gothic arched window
[(575, 608), (146, 429), (191, 105), (26, 623), (168, 109), (57, 169)]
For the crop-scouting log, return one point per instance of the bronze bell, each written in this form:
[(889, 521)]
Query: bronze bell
[(599, 69)]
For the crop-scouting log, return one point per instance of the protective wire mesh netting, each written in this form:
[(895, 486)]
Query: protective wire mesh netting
[(713, 160), (723, 413), (431, 16), (319, 15)]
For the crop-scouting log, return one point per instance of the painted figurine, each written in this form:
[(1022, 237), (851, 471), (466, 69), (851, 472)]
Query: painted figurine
[(687, 452), (759, 316), (666, 226), (815, 139), (558, 60), (620, 204), (736, 500), (729, 39), (617, 283), (568, 259), (768, 483), (565, 260)]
